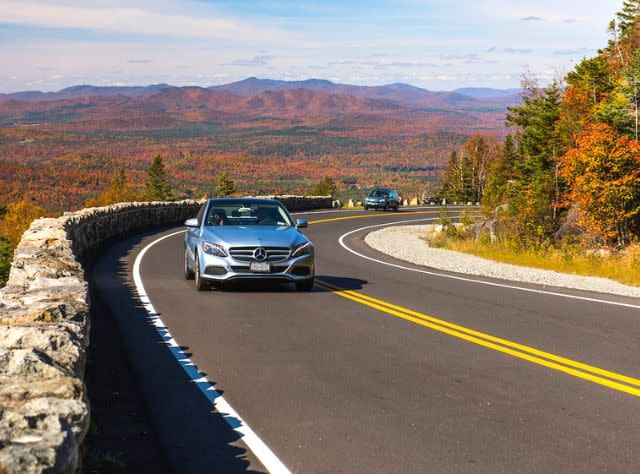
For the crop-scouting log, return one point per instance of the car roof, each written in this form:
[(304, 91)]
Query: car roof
[(245, 201)]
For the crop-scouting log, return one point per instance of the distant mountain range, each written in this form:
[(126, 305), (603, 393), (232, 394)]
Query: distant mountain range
[(405, 94), (75, 92), (165, 106)]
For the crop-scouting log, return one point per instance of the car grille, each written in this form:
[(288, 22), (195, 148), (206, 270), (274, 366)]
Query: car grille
[(245, 254)]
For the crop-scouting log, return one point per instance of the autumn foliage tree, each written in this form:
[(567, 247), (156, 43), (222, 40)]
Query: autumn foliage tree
[(603, 170), (119, 191), (15, 219), (18, 217), (468, 169)]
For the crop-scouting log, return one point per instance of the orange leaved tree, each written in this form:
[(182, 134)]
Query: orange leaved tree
[(603, 175)]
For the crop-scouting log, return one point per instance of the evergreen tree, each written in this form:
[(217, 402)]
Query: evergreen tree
[(500, 176), (627, 16), (224, 185), (157, 187), (119, 181), (536, 194), (325, 187), (592, 74)]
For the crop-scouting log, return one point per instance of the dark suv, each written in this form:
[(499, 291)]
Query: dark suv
[(385, 199)]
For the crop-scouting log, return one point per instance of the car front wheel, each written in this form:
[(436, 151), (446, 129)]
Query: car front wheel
[(201, 284)]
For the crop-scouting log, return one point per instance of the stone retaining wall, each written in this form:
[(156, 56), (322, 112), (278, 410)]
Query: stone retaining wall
[(44, 328)]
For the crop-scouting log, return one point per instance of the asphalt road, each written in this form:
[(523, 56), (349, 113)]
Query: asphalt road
[(338, 380)]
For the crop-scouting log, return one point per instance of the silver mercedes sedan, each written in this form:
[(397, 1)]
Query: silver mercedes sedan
[(246, 238)]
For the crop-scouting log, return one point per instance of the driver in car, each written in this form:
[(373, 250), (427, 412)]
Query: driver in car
[(217, 219), (265, 216)]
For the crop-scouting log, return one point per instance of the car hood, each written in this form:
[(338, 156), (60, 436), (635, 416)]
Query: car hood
[(263, 236)]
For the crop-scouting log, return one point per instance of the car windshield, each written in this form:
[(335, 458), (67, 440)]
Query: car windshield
[(246, 214), (378, 193)]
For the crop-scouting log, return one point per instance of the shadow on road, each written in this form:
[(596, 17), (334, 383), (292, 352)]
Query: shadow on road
[(266, 286), (195, 437)]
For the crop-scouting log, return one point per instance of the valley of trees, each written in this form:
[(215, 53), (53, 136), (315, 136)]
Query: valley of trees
[(573, 150)]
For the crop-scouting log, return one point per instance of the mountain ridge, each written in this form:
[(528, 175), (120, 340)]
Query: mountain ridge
[(406, 94)]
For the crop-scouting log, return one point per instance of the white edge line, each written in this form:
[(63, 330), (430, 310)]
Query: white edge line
[(471, 280), (268, 459)]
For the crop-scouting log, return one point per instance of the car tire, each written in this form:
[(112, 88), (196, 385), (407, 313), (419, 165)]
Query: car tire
[(201, 284), (366, 208), (304, 285), (188, 273), (395, 209)]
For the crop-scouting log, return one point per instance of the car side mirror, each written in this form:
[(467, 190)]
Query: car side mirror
[(302, 223), (193, 222)]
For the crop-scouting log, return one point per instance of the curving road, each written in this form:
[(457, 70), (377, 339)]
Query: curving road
[(384, 367)]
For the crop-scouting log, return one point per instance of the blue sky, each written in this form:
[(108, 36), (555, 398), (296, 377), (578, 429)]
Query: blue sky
[(437, 44)]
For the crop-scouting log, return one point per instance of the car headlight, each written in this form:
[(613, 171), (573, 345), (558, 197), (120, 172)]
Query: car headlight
[(213, 249), (304, 249)]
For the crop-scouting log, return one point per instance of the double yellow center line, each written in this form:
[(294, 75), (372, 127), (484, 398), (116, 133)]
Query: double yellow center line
[(593, 374), (362, 216), (606, 378)]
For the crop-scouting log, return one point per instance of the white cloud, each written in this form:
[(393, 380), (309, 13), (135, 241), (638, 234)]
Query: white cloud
[(255, 61), (130, 20)]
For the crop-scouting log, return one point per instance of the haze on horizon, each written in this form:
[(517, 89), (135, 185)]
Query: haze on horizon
[(437, 44)]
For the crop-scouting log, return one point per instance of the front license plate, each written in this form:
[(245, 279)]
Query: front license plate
[(260, 267)]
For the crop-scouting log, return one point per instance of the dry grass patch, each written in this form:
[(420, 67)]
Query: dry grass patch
[(621, 266)]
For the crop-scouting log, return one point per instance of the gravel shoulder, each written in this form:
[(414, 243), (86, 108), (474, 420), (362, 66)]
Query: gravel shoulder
[(405, 243)]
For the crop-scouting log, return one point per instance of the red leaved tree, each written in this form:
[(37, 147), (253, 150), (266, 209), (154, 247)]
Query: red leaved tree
[(603, 175)]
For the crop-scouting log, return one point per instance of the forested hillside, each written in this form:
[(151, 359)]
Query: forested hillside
[(570, 168), (60, 149)]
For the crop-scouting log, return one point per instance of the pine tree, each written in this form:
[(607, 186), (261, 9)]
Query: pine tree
[(536, 193), (119, 181), (592, 74), (325, 187), (224, 185), (500, 176), (627, 16), (157, 187)]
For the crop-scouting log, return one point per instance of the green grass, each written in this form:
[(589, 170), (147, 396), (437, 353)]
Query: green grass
[(621, 266)]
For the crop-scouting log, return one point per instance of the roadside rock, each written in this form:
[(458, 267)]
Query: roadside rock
[(42, 436), (61, 342), (571, 226)]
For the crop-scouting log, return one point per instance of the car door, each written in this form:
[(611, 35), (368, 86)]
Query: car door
[(193, 232), (393, 199)]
